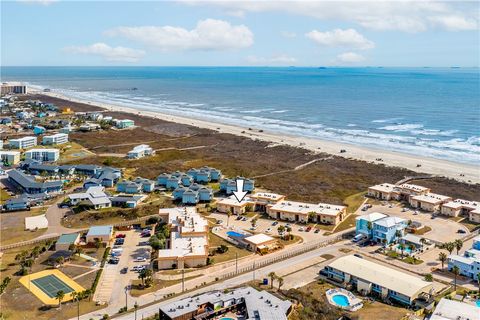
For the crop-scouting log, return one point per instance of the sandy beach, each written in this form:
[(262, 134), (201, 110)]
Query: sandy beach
[(459, 171)]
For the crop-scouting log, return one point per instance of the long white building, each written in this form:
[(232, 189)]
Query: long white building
[(47, 155), (58, 138), (23, 143)]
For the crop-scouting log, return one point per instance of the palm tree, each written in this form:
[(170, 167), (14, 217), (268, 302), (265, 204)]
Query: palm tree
[(254, 222), (59, 296), (76, 296), (98, 243), (288, 229), (281, 229), (142, 275), (272, 277), (398, 234), (369, 227), (78, 250), (442, 256), (280, 282), (449, 246), (458, 244), (478, 280), (456, 272)]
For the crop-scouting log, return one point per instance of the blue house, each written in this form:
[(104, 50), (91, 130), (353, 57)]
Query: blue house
[(186, 180), (128, 187), (39, 130), (476, 243), (203, 176), (469, 263), (362, 223), (20, 203), (162, 179), (190, 197), (6, 121), (177, 174), (193, 173), (92, 182), (146, 185), (178, 193), (385, 230), (230, 185), (205, 194), (172, 183), (215, 174)]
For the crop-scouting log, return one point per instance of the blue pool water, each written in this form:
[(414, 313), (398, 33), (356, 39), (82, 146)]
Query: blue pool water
[(478, 303), (407, 250), (341, 300), (235, 234)]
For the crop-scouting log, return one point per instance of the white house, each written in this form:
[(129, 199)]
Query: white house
[(140, 152), (58, 138), (94, 197), (49, 155), (10, 157), (23, 143)]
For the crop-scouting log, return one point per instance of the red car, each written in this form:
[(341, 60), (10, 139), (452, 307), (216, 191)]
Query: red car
[(308, 229), (121, 235)]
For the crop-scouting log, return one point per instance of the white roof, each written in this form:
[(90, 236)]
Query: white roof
[(43, 150), (413, 187), (306, 208), (412, 238), (93, 194), (386, 277), (182, 242), (23, 139), (464, 260), (267, 196), (232, 201), (56, 135), (432, 198), (460, 203), (374, 216), (384, 187), (258, 239), (455, 310), (389, 221), (10, 153)]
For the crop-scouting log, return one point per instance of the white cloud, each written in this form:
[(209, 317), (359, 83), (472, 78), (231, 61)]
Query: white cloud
[(288, 34), (275, 60), (455, 23), (402, 15), (118, 54), (209, 34), (349, 58), (340, 38)]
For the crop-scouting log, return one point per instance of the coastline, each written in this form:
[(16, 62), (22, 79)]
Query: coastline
[(470, 173)]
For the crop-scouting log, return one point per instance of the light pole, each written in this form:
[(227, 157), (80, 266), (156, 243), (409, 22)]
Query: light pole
[(136, 307), (183, 280), (126, 298)]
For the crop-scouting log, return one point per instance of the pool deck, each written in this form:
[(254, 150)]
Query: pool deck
[(354, 303)]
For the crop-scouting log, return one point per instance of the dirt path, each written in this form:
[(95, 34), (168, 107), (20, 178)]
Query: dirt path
[(299, 167)]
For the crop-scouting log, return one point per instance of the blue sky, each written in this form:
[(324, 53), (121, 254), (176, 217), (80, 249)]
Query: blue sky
[(246, 33)]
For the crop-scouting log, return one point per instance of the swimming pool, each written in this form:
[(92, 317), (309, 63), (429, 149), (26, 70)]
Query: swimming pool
[(341, 300), (405, 249), (478, 303), (234, 234)]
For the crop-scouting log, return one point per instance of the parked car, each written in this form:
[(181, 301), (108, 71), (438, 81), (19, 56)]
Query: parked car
[(124, 270), (359, 237), (113, 261), (357, 255), (244, 219), (300, 229), (317, 230), (140, 259), (219, 221), (461, 231), (308, 229), (238, 218), (120, 235), (268, 230), (274, 223)]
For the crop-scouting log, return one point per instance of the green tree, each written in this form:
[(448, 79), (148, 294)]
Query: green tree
[(456, 272), (272, 277), (429, 277), (442, 256), (280, 283), (254, 222), (281, 230), (59, 296), (449, 246), (229, 214), (401, 246), (458, 244)]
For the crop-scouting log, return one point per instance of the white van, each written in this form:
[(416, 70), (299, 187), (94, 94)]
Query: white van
[(359, 237)]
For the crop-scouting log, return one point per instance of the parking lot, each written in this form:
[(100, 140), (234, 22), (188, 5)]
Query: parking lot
[(135, 251), (266, 226), (443, 229)]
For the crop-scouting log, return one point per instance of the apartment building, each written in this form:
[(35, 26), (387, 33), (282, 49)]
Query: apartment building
[(23, 143), (10, 157), (305, 212), (59, 138), (44, 155)]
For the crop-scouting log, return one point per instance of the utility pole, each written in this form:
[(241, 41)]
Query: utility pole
[(183, 280), (126, 298), (136, 307), (236, 262)]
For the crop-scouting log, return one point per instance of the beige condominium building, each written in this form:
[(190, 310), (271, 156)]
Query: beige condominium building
[(459, 207), (188, 245), (388, 191), (301, 211), (431, 202), (255, 202)]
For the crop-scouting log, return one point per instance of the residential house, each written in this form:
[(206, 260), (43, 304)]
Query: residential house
[(37, 130), (448, 309), (232, 205), (372, 278), (127, 201), (140, 152), (123, 124), (162, 179), (469, 263), (129, 187), (384, 191), (460, 207), (388, 229), (66, 240), (103, 233), (364, 224), (305, 212), (230, 185), (93, 197), (17, 204)]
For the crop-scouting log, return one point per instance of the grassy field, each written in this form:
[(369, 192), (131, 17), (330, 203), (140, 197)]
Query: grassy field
[(354, 201), (12, 226), (157, 285), (216, 241), (4, 196)]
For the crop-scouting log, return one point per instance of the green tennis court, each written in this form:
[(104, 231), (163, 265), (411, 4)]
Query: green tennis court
[(51, 284)]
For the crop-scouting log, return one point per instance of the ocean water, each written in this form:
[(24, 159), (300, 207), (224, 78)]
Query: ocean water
[(432, 112)]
